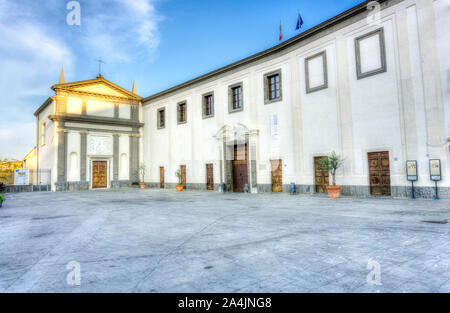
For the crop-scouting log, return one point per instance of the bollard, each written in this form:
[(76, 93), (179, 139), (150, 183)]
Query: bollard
[(293, 189)]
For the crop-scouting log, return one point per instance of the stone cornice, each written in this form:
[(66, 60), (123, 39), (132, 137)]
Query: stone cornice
[(95, 95), (94, 120)]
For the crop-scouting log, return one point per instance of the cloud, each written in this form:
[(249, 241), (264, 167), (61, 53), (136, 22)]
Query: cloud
[(121, 30), (30, 59), (36, 42)]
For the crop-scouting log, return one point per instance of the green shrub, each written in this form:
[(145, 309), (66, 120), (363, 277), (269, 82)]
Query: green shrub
[(332, 163)]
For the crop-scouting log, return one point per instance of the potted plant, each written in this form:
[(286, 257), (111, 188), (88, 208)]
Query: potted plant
[(331, 164), (142, 169), (180, 185), (2, 198)]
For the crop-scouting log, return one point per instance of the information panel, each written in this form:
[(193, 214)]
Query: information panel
[(411, 170), (435, 170), (21, 176)]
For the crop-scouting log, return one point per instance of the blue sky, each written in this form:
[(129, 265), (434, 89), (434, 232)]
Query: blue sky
[(158, 43)]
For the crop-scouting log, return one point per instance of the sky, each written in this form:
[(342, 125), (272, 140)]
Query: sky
[(157, 43)]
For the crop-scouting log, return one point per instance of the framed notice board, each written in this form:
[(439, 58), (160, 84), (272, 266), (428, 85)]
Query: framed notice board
[(411, 170)]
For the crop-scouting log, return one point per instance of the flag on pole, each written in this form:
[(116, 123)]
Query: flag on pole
[(299, 22), (281, 33)]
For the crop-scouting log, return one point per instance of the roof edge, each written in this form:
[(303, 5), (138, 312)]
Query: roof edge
[(43, 106)]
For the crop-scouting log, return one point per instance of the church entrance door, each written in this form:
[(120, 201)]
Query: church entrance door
[(99, 174)]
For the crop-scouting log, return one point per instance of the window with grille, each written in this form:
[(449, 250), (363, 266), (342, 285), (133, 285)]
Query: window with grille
[(182, 112), (236, 97), (274, 87), (161, 118), (208, 105)]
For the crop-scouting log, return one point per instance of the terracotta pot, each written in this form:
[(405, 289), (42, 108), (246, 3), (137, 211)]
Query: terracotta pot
[(180, 188), (334, 191), (142, 185)]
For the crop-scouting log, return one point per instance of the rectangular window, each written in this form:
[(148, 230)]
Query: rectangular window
[(237, 97), (181, 112), (272, 87), (370, 54), (44, 126), (161, 118), (208, 105)]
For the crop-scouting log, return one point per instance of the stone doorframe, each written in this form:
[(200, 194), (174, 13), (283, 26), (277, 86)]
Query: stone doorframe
[(229, 136)]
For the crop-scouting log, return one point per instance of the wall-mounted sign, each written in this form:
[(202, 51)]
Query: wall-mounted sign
[(21, 176), (411, 170), (435, 170)]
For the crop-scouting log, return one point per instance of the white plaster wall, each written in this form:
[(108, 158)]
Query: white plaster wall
[(375, 112), (273, 146), (73, 156), (100, 108), (74, 105), (442, 13), (320, 129), (46, 153), (124, 111)]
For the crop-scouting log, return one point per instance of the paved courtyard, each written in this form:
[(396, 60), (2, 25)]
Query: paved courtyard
[(162, 241)]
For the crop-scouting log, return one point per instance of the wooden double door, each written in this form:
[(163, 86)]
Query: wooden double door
[(321, 176), (277, 175), (379, 173), (99, 174), (240, 168)]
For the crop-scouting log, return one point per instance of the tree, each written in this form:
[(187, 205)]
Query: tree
[(142, 169), (331, 164)]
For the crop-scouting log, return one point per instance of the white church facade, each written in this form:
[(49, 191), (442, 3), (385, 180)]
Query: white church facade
[(373, 87)]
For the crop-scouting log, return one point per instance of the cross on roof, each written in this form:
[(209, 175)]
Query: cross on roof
[(100, 61)]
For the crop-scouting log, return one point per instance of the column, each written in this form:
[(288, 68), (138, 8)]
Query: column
[(83, 160), (61, 158), (115, 180)]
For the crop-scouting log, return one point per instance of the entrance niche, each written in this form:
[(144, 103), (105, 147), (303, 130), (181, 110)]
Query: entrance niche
[(238, 146), (240, 168)]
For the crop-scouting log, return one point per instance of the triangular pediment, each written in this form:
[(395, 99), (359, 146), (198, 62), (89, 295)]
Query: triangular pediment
[(98, 86), (102, 89)]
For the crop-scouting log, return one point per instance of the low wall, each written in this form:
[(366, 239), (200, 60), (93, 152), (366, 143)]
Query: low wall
[(26, 188)]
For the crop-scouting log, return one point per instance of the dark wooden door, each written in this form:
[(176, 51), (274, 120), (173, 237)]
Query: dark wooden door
[(321, 177), (183, 174), (209, 177), (277, 175), (161, 177), (99, 174), (379, 173), (240, 173)]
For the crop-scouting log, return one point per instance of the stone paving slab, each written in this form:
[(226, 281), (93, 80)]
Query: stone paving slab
[(135, 240)]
